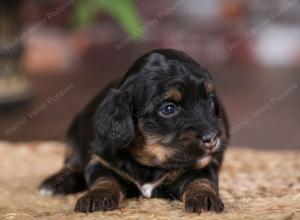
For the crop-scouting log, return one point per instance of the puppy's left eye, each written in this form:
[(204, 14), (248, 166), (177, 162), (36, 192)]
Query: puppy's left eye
[(168, 110)]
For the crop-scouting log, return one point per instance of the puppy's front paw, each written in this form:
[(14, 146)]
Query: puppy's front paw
[(203, 201), (98, 200)]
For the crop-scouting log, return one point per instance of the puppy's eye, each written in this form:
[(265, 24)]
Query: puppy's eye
[(168, 110)]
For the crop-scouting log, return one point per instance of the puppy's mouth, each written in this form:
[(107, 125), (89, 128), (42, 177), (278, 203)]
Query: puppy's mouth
[(199, 156), (212, 147), (209, 151)]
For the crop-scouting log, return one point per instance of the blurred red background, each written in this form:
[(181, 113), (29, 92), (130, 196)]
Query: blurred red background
[(252, 49)]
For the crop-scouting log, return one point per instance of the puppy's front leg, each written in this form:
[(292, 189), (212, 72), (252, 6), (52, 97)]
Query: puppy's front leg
[(201, 193), (105, 192)]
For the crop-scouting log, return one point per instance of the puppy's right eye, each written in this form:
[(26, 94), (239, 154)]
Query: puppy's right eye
[(168, 110)]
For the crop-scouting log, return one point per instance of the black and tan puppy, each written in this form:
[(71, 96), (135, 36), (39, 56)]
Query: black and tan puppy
[(159, 132)]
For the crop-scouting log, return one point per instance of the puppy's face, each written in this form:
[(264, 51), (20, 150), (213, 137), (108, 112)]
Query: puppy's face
[(164, 112), (178, 121), (181, 125)]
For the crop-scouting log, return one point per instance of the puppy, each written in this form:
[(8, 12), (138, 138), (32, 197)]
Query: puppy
[(158, 132)]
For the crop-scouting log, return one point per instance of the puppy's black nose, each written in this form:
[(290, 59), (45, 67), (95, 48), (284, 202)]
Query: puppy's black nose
[(209, 140)]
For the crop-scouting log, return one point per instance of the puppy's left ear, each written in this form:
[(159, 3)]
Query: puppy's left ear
[(113, 124)]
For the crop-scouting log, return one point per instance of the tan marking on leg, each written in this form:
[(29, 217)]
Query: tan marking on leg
[(108, 184), (198, 185)]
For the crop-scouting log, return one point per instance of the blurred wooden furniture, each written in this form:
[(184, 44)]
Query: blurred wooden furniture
[(14, 87)]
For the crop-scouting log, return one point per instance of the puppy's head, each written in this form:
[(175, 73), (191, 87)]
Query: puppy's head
[(165, 112)]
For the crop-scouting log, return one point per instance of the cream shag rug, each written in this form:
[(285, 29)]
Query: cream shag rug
[(254, 184)]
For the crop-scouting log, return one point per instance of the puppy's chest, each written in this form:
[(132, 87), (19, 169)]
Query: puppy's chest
[(147, 189), (146, 186)]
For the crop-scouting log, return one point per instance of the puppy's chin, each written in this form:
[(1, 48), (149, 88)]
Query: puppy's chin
[(182, 155), (195, 157), (170, 160), (184, 160), (178, 161), (203, 162)]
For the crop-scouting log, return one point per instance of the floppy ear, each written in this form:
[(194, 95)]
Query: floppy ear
[(113, 125)]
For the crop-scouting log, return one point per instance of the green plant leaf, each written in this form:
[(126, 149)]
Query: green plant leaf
[(124, 11)]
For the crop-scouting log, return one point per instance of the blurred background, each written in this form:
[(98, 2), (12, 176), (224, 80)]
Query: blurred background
[(55, 55)]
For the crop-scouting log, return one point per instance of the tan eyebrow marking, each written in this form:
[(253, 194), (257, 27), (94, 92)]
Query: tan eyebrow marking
[(173, 94), (209, 87)]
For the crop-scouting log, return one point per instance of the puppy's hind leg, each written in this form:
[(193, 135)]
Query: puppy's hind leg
[(70, 179), (66, 181)]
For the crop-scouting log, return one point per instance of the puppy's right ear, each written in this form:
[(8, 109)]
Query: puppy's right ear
[(113, 125)]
